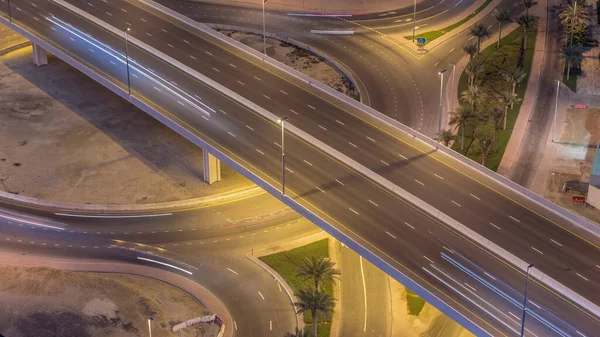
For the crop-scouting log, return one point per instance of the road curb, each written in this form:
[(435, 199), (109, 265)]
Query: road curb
[(14, 47), (328, 59), (85, 209)]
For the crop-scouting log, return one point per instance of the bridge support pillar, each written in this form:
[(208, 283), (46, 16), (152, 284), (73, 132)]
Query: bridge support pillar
[(212, 168), (40, 56)]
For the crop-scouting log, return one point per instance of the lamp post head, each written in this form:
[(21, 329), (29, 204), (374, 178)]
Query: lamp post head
[(530, 266), (150, 319), (282, 119), (441, 72)]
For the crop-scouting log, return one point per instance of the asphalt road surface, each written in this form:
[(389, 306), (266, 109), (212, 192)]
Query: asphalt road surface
[(318, 180)]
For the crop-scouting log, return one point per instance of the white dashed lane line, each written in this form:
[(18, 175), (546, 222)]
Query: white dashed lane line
[(556, 242), (438, 176), (419, 182), (372, 202), (390, 234), (494, 225), (537, 250), (474, 196), (409, 225), (583, 277), (517, 220), (353, 211), (456, 203)]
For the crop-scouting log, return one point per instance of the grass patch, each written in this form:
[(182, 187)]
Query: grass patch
[(285, 263), (434, 34), (495, 61), (414, 302), (572, 82)]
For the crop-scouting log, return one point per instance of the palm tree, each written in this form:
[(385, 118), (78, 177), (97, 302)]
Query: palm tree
[(460, 118), (474, 69), (485, 136), (470, 49), (514, 76), (319, 269), (573, 55), (473, 95), (507, 99), (446, 136), (502, 16), (575, 14), (526, 21), (528, 4), (314, 301), (480, 31), (497, 116)]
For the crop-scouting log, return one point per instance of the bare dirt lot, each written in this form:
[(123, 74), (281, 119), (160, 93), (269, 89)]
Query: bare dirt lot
[(305, 62), (573, 161), (64, 137), (43, 302)]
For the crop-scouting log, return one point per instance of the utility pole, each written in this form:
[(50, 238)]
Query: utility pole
[(127, 60), (555, 110), (264, 29), (441, 73), (414, 19), (525, 301), (282, 122)]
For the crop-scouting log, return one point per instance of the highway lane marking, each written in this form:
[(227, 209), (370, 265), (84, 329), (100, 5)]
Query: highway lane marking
[(307, 162), (248, 126), (113, 63), (439, 176), (510, 313), (240, 82), (353, 211), (209, 53), (278, 285), (223, 112), (157, 89), (192, 57), (384, 162), (288, 169), (52, 27), (535, 304), (164, 264), (598, 266), (517, 220), (436, 64), (583, 277), (233, 271), (72, 39), (352, 144), (419, 182), (235, 325), (285, 93), (261, 295), (456, 203), (170, 45), (232, 134), (401, 156), (259, 151), (491, 223), (205, 118), (267, 97), (312, 107), (293, 111), (371, 201), (111, 216), (148, 34), (578, 330), (320, 189), (279, 145), (340, 122), (322, 127), (556, 242), (390, 234), (537, 250), (233, 65), (164, 30), (257, 78), (428, 259), (362, 273), (458, 3), (341, 183), (217, 70), (270, 325), (181, 103), (470, 286), (186, 41), (371, 139), (451, 50), (474, 196), (129, 24), (143, 19)]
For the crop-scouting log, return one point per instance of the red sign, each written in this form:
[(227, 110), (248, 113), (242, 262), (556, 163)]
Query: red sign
[(578, 199)]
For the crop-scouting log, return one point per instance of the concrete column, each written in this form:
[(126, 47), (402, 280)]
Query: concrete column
[(212, 168), (40, 57)]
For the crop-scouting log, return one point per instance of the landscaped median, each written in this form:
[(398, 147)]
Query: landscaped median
[(434, 34), (492, 82)]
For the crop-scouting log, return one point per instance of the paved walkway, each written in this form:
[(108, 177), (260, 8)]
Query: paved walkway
[(322, 6), (91, 265), (9, 40)]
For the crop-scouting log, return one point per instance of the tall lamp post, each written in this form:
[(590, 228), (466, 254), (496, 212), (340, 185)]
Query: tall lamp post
[(127, 59), (264, 29), (282, 122), (453, 82), (441, 73), (525, 301), (9, 14), (555, 110), (150, 319), (414, 19)]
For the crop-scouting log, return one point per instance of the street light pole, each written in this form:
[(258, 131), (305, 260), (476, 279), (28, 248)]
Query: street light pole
[(453, 82), (525, 300), (150, 319), (414, 19), (555, 110), (127, 60), (264, 29), (9, 14), (282, 122), (441, 73)]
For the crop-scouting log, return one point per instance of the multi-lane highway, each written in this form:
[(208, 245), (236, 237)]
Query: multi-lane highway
[(408, 239)]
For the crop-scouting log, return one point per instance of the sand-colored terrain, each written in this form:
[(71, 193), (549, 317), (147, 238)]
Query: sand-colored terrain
[(43, 302)]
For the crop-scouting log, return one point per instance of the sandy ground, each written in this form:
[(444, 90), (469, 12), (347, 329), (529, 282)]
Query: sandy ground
[(63, 137), (43, 302), (430, 322), (299, 59), (573, 161)]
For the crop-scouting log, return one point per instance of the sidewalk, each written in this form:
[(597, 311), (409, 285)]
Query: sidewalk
[(84, 265), (530, 97), (321, 6)]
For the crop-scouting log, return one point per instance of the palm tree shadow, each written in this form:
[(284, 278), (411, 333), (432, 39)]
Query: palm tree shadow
[(381, 170)]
